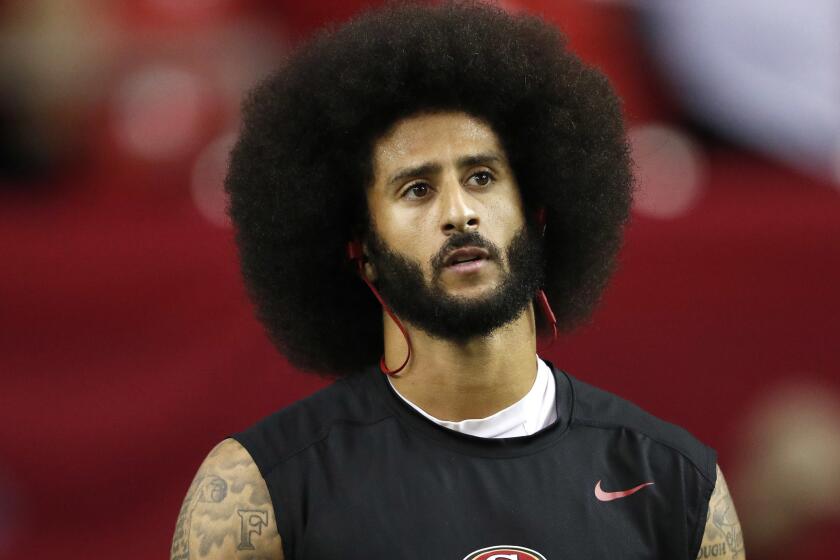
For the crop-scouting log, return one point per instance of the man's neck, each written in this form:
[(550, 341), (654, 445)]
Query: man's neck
[(455, 382)]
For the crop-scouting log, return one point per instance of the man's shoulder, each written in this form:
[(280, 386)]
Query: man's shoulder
[(227, 490), (297, 426), (600, 409)]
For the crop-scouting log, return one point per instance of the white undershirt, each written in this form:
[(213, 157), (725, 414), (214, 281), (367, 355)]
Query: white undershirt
[(528, 415)]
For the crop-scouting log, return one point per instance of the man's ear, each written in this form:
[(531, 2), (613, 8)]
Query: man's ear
[(369, 268)]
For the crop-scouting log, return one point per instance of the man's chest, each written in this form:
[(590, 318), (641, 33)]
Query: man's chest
[(504, 510)]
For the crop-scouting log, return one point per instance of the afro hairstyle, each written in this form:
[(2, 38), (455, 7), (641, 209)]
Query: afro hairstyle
[(302, 162)]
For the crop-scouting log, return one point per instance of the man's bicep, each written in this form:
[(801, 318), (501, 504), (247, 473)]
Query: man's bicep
[(722, 538), (227, 512)]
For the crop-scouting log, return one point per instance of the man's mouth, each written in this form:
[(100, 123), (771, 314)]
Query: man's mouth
[(467, 260), (473, 265), (460, 257)]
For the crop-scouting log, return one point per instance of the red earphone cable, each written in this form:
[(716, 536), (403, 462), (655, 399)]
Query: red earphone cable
[(354, 252), (541, 297), (549, 314)]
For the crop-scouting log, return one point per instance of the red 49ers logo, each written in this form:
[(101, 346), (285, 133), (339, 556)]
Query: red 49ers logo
[(504, 553)]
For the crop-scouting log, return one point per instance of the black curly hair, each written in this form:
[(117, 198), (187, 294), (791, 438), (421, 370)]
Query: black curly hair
[(299, 170)]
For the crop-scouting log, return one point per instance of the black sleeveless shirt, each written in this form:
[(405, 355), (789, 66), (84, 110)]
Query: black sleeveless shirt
[(355, 473)]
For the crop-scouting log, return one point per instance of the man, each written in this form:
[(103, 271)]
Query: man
[(409, 193)]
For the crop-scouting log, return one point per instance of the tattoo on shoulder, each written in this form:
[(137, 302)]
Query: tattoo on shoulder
[(224, 512), (205, 489), (723, 531)]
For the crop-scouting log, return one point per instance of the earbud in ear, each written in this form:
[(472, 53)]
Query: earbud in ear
[(355, 251)]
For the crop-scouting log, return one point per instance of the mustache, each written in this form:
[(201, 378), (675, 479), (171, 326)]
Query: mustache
[(460, 240)]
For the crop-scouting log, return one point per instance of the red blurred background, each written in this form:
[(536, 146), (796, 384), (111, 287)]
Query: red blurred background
[(128, 347)]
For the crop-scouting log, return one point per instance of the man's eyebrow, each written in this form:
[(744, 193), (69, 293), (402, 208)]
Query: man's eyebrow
[(430, 168), (422, 169), (480, 159)]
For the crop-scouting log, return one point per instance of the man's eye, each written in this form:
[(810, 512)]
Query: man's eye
[(482, 178), (417, 190)]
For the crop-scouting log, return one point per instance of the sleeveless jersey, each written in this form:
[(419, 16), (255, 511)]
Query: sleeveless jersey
[(354, 472)]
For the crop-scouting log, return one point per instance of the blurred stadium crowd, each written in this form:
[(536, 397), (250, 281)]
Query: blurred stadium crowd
[(128, 347)]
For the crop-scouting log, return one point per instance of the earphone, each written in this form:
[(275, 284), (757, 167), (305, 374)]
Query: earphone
[(356, 254)]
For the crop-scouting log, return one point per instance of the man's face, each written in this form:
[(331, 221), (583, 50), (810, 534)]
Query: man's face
[(442, 183)]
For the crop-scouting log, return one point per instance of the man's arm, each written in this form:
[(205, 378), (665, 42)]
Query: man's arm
[(722, 538), (227, 513)]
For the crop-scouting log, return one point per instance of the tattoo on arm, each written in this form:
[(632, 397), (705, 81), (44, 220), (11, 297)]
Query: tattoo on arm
[(227, 512), (204, 489), (253, 522), (723, 537)]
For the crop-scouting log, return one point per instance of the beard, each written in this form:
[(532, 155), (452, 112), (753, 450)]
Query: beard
[(456, 318)]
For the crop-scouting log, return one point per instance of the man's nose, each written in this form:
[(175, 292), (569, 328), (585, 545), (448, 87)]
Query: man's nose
[(458, 213)]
